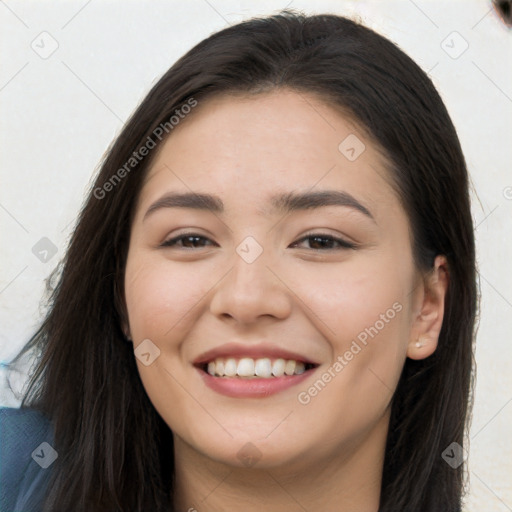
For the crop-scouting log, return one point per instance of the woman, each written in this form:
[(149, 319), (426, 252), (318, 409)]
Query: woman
[(268, 302)]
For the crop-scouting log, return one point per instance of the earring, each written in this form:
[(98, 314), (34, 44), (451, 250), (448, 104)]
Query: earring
[(422, 341)]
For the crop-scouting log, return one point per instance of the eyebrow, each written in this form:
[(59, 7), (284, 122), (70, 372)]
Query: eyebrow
[(281, 203)]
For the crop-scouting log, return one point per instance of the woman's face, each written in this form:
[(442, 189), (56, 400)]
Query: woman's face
[(260, 283)]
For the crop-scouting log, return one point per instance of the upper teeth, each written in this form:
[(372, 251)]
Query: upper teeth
[(247, 367)]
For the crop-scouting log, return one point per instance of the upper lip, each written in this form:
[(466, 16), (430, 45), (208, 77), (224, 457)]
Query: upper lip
[(238, 350)]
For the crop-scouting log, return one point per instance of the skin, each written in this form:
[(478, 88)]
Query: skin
[(326, 454)]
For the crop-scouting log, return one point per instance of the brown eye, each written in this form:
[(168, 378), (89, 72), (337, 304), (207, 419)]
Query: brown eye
[(188, 241), (321, 242)]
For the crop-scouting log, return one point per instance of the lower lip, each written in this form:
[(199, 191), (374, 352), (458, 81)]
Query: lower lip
[(252, 388)]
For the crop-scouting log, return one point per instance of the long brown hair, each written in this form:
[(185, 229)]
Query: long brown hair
[(113, 446)]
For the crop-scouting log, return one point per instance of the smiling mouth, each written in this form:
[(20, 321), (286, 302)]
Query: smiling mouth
[(249, 368)]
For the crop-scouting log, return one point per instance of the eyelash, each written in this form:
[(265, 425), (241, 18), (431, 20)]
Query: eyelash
[(342, 243)]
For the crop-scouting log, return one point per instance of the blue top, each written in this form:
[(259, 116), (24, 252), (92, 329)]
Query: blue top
[(26, 456)]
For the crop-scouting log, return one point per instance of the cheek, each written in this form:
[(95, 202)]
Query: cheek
[(160, 297), (163, 301), (364, 316), (353, 298)]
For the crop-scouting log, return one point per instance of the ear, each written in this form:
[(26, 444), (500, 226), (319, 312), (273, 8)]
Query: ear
[(429, 320)]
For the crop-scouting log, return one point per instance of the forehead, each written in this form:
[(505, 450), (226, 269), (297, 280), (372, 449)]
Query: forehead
[(254, 146)]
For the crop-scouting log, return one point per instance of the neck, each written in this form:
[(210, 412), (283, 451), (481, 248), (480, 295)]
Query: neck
[(346, 480)]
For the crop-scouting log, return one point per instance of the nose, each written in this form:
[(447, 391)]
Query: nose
[(251, 291)]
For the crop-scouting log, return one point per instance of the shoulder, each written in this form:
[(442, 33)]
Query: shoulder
[(25, 457), (24, 421)]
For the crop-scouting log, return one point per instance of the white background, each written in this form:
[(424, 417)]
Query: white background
[(60, 113)]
